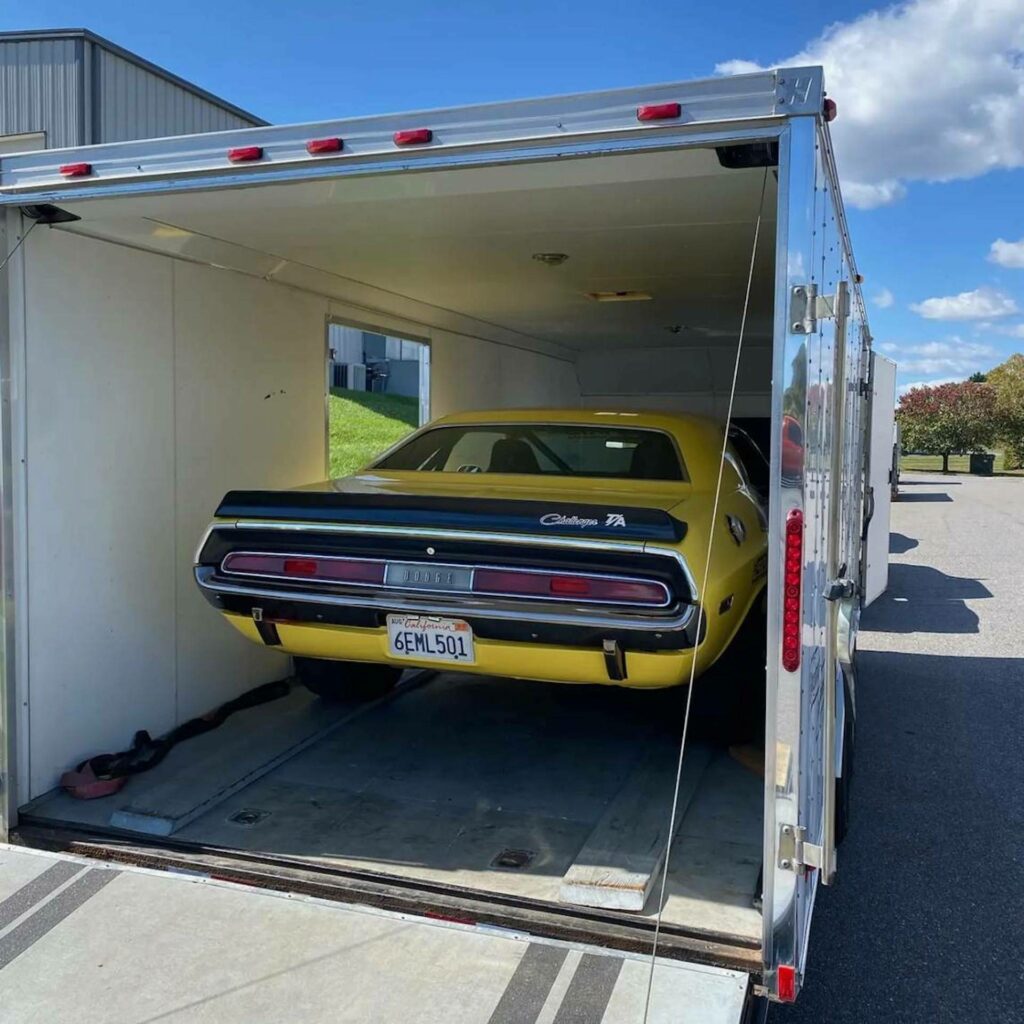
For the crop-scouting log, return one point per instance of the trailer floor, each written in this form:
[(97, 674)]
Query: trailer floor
[(87, 943), (455, 780)]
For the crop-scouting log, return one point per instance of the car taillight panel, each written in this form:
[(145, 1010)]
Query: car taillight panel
[(305, 568), (792, 574), (559, 586)]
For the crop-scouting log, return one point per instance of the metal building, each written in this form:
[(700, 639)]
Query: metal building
[(71, 87)]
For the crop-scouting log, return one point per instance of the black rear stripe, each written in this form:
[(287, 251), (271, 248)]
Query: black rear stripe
[(433, 512)]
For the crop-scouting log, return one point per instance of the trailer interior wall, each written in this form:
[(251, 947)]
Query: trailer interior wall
[(149, 386)]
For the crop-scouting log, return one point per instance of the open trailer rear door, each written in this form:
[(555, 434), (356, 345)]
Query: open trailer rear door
[(879, 492)]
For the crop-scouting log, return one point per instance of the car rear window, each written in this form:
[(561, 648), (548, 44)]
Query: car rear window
[(534, 449)]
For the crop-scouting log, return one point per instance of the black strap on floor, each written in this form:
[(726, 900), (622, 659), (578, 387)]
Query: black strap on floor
[(146, 752)]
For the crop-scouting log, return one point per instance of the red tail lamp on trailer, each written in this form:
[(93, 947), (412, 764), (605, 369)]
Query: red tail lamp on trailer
[(317, 146), (245, 154), (829, 109), (659, 112), (413, 137), (76, 170), (791, 575), (786, 978)]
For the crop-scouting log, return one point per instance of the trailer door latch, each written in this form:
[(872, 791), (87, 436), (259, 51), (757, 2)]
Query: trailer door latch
[(837, 590), (807, 307), (795, 853)]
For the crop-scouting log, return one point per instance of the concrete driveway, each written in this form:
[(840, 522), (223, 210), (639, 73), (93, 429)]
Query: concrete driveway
[(926, 922)]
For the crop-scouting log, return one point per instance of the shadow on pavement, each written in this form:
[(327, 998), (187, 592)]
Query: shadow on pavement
[(900, 544), (929, 483), (931, 869), (921, 599), (925, 496)]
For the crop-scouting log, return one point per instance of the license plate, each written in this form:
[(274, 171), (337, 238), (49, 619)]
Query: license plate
[(431, 638)]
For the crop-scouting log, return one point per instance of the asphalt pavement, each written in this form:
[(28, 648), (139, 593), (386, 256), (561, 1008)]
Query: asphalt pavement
[(926, 921)]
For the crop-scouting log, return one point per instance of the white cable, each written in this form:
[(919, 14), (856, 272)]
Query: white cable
[(17, 245), (700, 604)]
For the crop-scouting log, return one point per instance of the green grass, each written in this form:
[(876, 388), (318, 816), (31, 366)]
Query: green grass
[(362, 425), (957, 464)]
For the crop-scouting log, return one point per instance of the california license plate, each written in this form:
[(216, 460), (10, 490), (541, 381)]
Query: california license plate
[(431, 638)]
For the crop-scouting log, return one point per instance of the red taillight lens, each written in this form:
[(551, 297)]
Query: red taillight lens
[(791, 576), (300, 567), (315, 146), (569, 586), (413, 137), (517, 583), (75, 170), (245, 154), (786, 983), (323, 570), (658, 112)]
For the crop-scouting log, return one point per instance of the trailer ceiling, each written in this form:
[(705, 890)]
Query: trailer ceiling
[(673, 224)]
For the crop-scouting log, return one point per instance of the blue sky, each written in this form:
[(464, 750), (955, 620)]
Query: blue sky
[(930, 135)]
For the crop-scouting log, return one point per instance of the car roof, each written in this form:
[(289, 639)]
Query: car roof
[(672, 422)]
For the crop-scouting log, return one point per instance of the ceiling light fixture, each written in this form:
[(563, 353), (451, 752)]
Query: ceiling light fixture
[(550, 259)]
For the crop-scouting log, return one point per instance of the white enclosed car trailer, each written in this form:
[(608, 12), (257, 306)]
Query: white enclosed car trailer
[(163, 319)]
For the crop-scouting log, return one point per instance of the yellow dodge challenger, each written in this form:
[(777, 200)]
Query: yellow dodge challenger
[(563, 545)]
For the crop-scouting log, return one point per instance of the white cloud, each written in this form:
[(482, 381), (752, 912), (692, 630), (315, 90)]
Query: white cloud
[(928, 90), (955, 356), (902, 389), (979, 304), (1011, 330), (884, 299), (1007, 254)]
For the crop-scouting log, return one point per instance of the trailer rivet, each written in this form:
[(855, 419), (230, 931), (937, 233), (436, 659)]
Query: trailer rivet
[(785, 864)]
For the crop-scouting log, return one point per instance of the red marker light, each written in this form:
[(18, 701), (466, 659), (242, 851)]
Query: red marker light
[(317, 146), (829, 109), (245, 154), (786, 977), (791, 579), (413, 137), (659, 112), (75, 170)]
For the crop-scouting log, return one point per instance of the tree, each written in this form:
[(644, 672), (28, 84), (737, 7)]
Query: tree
[(978, 377), (948, 419), (1008, 382)]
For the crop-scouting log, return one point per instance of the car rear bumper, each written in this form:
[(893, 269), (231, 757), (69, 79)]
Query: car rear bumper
[(516, 659)]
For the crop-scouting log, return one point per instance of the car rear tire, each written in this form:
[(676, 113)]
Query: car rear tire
[(346, 680)]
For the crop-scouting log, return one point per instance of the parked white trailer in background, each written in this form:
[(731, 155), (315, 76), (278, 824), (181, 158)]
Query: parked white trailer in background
[(164, 311)]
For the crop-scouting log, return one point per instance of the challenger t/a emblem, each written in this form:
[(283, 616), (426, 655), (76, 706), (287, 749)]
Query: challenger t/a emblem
[(557, 519), (614, 519)]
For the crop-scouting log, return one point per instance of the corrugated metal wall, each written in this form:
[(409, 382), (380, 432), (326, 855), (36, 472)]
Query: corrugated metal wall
[(41, 89), (78, 92), (133, 103)]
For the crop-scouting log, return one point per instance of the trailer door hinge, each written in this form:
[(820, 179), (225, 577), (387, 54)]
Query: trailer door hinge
[(795, 853), (807, 307)]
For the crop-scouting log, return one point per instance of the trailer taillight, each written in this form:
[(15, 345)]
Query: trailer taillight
[(791, 575), (658, 112), (245, 154), (75, 170), (316, 146), (413, 137), (786, 983), (829, 110)]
